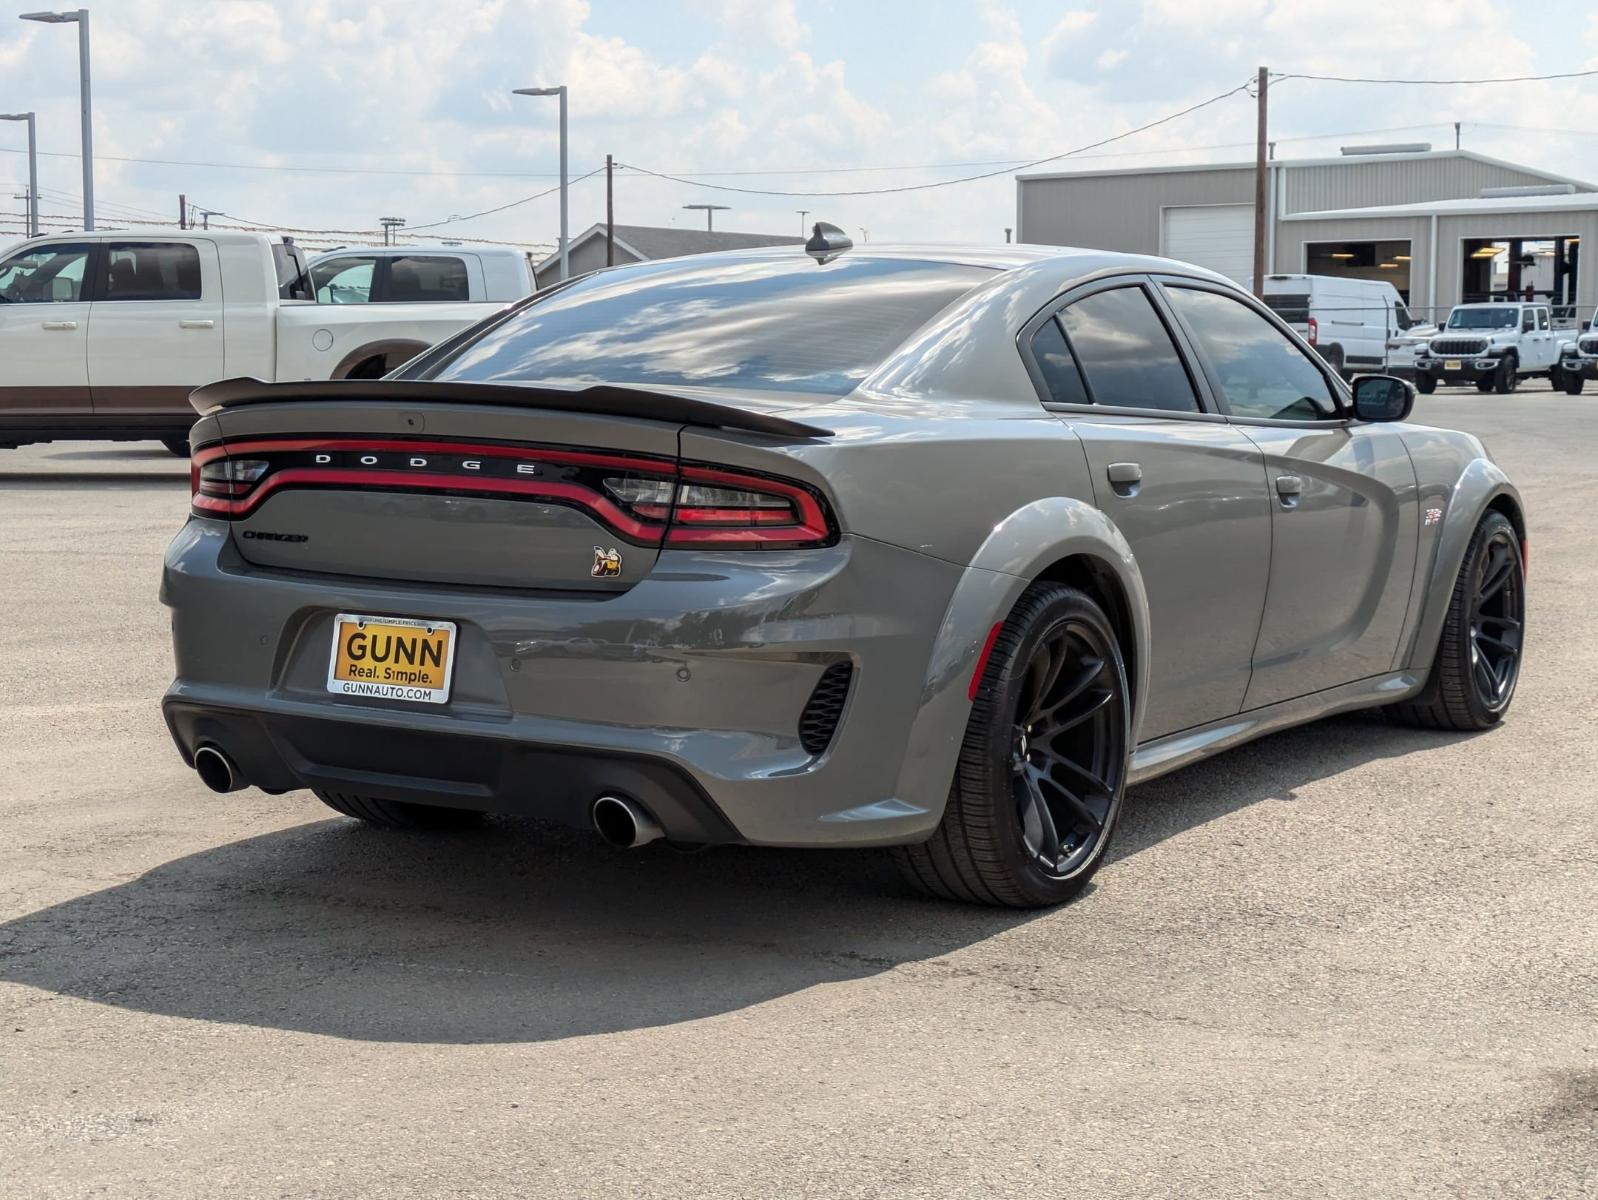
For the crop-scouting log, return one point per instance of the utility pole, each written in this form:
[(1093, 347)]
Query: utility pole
[(183, 211), (1259, 187), (610, 214)]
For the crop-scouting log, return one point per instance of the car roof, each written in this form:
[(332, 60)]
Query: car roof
[(417, 248)]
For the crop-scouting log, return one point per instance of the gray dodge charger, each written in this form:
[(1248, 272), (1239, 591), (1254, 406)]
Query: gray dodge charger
[(935, 550)]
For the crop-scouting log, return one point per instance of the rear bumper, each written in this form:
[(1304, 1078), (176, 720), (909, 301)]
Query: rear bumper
[(684, 693)]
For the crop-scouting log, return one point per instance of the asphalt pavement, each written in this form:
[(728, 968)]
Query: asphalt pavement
[(1350, 960)]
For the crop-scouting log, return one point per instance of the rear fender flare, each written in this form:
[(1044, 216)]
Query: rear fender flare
[(1020, 548), (395, 350), (1479, 484)]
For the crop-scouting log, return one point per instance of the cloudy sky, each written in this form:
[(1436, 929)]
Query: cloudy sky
[(326, 114)]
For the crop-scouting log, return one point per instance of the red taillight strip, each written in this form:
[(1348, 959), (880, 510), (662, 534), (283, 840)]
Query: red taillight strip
[(813, 525), (570, 493)]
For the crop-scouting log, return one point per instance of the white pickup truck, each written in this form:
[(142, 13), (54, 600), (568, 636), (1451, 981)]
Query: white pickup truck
[(105, 334)]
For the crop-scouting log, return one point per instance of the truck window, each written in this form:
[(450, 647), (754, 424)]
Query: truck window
[(426, 277), (1292, 307), (1528, 321), (293, 280), (150, 271), (45, 275), (344, 280), (1542, 319)]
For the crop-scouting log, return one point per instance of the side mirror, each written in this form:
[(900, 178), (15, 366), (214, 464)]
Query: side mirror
[(1382, 398)]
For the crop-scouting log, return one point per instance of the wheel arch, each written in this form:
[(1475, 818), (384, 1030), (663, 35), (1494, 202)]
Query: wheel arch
[(1481, 487), (1059, 539), (386, 349)]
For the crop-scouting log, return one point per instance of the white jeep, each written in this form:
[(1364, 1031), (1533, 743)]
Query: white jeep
[(1578, 359), (1493, 345)]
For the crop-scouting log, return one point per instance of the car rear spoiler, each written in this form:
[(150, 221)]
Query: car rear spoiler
[(607, 399)]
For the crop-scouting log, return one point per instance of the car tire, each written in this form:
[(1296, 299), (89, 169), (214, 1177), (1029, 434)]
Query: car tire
[(1485, 385), (1507, 378), (1573, 383), (1334, 359), (178, 446), (398, 814), (1013, 834), (1472, 682), (1425, 385)]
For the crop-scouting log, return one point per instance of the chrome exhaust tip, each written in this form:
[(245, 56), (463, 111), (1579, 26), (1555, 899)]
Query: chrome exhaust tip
[(623, 823), (216, 770)]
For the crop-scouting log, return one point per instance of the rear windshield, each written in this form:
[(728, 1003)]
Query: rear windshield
[(1292, 307), (729, 322)]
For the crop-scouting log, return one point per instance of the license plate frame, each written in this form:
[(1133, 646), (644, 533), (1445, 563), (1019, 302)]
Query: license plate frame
[(431, 683)]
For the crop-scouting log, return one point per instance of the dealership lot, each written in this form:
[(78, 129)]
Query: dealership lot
[(1350, 959)]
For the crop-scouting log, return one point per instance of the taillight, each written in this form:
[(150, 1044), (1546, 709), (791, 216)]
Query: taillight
[(1314, 331), (709, 506), (645, 500)]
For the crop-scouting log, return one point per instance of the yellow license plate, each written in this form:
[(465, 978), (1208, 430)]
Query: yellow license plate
[(1452, 364), (391, 658)]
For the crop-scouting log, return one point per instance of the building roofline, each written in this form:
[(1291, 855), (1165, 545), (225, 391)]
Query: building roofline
[(1422, 209), (597, 229), (1279, 163)]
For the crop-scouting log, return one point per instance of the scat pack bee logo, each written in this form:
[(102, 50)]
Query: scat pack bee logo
[(607, 563)]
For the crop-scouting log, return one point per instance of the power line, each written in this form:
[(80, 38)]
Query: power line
[(920, 187), (1275, 77), (501, 208)]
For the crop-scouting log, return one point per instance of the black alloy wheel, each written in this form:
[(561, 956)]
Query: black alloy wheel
[(1497, 620), (1042, 768), (1477, 664)]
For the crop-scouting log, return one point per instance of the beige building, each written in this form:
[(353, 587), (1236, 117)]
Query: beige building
[(1444, 227)]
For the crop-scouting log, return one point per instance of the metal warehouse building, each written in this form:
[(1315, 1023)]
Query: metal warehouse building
[(1444, 227)]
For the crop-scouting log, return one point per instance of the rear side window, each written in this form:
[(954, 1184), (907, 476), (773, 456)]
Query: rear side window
[(45, 275), (780, 323), (1125, 352), (1057, 365), (431, 277), (344, 280), (151, 271), (1542, 318)]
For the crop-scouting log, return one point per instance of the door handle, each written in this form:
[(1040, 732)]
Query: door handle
[(1125, 477), (1288, 489), (196, 324), (60, 324)]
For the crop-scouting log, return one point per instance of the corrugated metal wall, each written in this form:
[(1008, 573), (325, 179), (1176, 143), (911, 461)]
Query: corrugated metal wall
[(1364, 183), (1120, 212)]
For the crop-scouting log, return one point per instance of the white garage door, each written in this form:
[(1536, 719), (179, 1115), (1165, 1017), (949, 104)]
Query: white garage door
[(1217, 236)]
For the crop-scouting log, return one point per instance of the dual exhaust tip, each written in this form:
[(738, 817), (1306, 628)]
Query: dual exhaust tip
[(619, 821)]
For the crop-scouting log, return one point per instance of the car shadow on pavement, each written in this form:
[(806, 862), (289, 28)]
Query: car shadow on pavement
[(528, 932)]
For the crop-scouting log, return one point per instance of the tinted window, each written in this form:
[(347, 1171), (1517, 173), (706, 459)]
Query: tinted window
[(151, 271), (1501, 317), (1126, 353), (1292, 307), (1057, 365), (1528, 321), (778, 323), (1542, 318), (427, 277), (44, 275), (344, 280), (1262, 372)]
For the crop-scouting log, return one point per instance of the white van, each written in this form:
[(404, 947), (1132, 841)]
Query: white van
[(1350, 321)]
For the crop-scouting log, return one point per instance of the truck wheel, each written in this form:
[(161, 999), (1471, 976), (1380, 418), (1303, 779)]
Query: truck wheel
[(1425, 385), (372, 368), (1485, 385), (177, 445), (1507, 378), (396, 814), (1334, 359), (1042, 769), (1573, 383)]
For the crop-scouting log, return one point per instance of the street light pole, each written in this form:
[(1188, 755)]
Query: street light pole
[(81, 16), (565, 260), (710, 211), (33, 170)]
